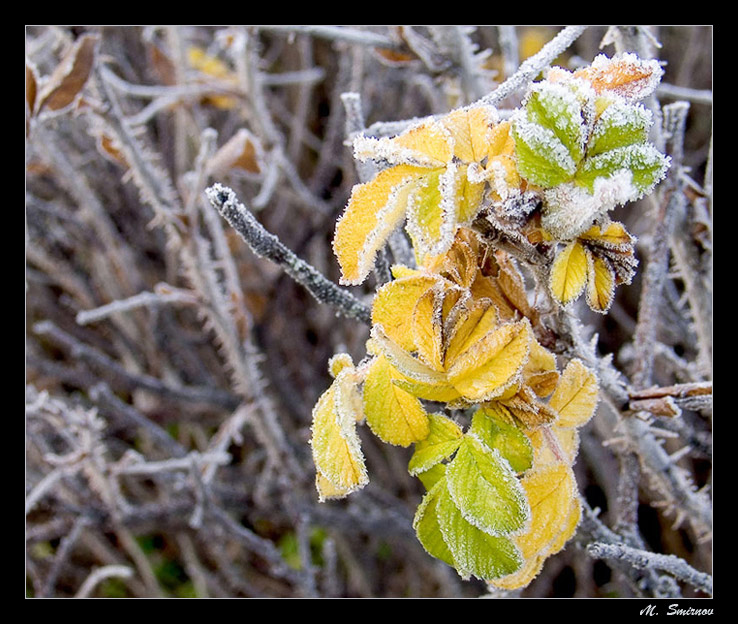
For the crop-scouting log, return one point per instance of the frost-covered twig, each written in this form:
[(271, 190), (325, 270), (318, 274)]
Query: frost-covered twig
[(162, 294), (642, 559), (338, 33), (265, 244), (533, 66)]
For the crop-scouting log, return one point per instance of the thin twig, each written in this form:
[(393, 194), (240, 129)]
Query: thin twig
[(533, 66), (642, 559), (100, 574), (265, 244)]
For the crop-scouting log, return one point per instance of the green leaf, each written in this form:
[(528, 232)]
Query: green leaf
[(442, 441), (558, 109), (619, 125), (494, 425), (542, 158), (484, 487), (474, 552), (646, 164), (427, 527), (431, 476)]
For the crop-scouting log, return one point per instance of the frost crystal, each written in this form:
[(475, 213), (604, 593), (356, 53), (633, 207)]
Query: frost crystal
[(570, 210)]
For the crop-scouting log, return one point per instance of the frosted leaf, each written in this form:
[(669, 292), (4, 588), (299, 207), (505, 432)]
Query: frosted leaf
[(394, 302), (645, 163), (393, 415), (619, 125), (550, 490), (427, 526), (557, 108), (442, 441), (475, 553), (493, 364), (600, 289), (338, 362), (387, 150), (404, 362), (542, 158), (627, 75), (570, 209), (484, 487), (373, 211), (348, 402), (449, 209), (335, 444)]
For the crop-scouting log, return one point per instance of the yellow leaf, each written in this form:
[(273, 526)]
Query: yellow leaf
[(335, 443), (339, 362), (575, 397), (442, 392), (394, 303), (568, 528), (501, 168), (427, 328), (469, 196), (407, 365), (522, 578), (374, 210), (569, 273), (565, 441), (471, 131), (395, 416), (429, 139), (469, 321), (600, 283), (487, 368), (328, 490), (550, 490), (613, 235)]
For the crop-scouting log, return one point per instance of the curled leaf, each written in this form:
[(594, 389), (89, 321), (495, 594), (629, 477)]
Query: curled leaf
[(487, 368), (374, 210), (66, 82), (334, 441), (241, 151), (600, 283)]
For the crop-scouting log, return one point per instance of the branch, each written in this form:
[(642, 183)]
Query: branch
[(534, 65), (642, 560), (96, 576), (267, 245)]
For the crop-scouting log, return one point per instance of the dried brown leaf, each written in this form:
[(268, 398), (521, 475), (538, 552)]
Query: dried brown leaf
[(70, 76)]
